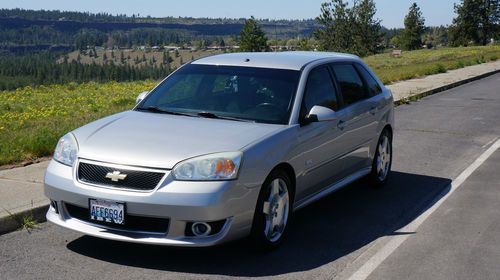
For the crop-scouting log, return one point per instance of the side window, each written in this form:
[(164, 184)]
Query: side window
[(373, 87), (350, 83), (319, 90)]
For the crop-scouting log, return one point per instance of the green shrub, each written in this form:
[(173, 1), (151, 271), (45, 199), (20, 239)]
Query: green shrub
[(480, 59), (440, 68)]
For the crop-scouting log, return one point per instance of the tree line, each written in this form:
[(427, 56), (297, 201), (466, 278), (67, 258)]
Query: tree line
[(42, 68), (341, 27), (355, 29)]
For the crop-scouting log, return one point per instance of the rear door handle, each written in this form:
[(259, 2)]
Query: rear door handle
[(373, 110), (341, 125)]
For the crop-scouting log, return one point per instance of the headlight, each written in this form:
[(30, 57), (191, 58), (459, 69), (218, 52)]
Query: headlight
[(66, 150), (219, 166)]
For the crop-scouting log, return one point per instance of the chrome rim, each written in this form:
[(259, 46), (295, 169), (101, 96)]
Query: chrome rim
[(276, 208), (383, 158)]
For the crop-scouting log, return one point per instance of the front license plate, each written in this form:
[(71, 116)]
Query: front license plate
[(107, 211)]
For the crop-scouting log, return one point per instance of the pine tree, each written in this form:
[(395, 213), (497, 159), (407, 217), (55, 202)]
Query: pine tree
[(354, 30), (252, 38), (411, 38), (367, 27), (122, 57), (477, 21)]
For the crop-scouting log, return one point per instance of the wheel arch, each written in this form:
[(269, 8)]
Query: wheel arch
[(388, 127), (288, 169)]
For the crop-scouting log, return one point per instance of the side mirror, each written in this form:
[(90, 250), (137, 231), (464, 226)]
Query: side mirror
[(141, 96), (320, 114)]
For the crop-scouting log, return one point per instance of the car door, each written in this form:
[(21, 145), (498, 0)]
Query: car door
[(357, 117), (317, 150)]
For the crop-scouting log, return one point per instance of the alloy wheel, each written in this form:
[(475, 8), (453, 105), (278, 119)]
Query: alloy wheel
[(276, 208), (384, 157)]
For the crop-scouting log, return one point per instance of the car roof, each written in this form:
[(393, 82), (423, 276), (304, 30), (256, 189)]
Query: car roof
[(294, 60)]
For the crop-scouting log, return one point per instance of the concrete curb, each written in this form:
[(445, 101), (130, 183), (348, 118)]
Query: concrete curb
[(443, 88), (12, 223)]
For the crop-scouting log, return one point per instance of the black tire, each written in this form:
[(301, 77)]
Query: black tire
[(258, 236), (377, 178)]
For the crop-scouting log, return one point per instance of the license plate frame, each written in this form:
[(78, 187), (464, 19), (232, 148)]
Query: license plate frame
[(103, 211)]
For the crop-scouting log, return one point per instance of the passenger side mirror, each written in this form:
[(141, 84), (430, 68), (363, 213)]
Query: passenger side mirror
[(141, 96), (319, 114)]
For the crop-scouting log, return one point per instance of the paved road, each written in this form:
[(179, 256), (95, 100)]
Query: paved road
[(461, 240), (436, 139)]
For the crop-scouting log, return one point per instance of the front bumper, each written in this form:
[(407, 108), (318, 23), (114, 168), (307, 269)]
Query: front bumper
[(179, 202)]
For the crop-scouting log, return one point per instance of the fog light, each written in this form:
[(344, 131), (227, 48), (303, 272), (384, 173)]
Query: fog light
[(201, 229)]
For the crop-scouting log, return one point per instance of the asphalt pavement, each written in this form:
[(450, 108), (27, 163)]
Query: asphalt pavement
[(435, 140), (461, 240)]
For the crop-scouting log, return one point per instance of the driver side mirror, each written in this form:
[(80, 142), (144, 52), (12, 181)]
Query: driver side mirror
[(141, 96), (319, 114)]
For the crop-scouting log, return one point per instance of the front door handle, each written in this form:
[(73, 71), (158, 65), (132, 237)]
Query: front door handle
[(373, 110), (341, 125)]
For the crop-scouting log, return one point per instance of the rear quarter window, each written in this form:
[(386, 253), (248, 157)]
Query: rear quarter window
[(373, 86)]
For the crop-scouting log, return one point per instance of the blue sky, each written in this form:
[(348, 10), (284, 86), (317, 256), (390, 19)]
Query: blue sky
[(391, 12)]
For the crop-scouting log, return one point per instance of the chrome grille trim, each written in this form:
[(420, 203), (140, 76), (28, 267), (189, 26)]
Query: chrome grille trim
[(151, 177)]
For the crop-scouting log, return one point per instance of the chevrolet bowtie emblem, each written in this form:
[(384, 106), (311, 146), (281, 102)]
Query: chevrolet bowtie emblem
[(115, 176)]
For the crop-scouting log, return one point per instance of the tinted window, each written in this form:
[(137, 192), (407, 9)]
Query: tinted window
[(373, 87), (258, 94), (350, 83), (320, 90)]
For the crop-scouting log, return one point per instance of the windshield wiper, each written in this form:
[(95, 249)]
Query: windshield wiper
[(210, 115), (154, 109)]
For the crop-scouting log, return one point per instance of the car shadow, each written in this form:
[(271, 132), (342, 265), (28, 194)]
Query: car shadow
[(319, 234)]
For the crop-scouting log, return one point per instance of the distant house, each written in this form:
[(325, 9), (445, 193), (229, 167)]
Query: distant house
[(171, 48), (397, 53)]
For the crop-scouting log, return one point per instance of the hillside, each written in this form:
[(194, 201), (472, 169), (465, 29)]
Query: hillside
[(79, 30), (139, 58)]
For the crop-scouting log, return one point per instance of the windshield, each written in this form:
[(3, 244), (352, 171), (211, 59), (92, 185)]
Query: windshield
[(231, 92)]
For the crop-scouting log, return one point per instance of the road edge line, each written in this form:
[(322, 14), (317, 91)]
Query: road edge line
[(395, 241)]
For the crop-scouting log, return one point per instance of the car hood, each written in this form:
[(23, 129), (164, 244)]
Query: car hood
[(160, 140)]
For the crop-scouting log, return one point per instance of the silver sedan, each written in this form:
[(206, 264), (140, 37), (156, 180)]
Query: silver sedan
[(227, 146)]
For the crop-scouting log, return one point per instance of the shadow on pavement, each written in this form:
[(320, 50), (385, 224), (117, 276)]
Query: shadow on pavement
[(320, 233)]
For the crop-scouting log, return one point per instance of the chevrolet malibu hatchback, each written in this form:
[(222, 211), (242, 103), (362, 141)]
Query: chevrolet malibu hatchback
[(225, 147)]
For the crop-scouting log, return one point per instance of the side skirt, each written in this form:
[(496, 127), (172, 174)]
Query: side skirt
[(330, 189)]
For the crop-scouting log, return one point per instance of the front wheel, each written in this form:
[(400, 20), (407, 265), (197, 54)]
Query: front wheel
[(382, 162), (273, 211)]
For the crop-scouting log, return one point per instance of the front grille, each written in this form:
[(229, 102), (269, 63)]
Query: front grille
[(132, 223), (135, 179)]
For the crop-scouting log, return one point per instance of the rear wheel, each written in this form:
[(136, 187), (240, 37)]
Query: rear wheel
[(273, 211), (382, 162)]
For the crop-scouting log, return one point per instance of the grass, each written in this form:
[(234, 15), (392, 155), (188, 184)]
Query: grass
[(33, 119), (24, 222), (428, 62)]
